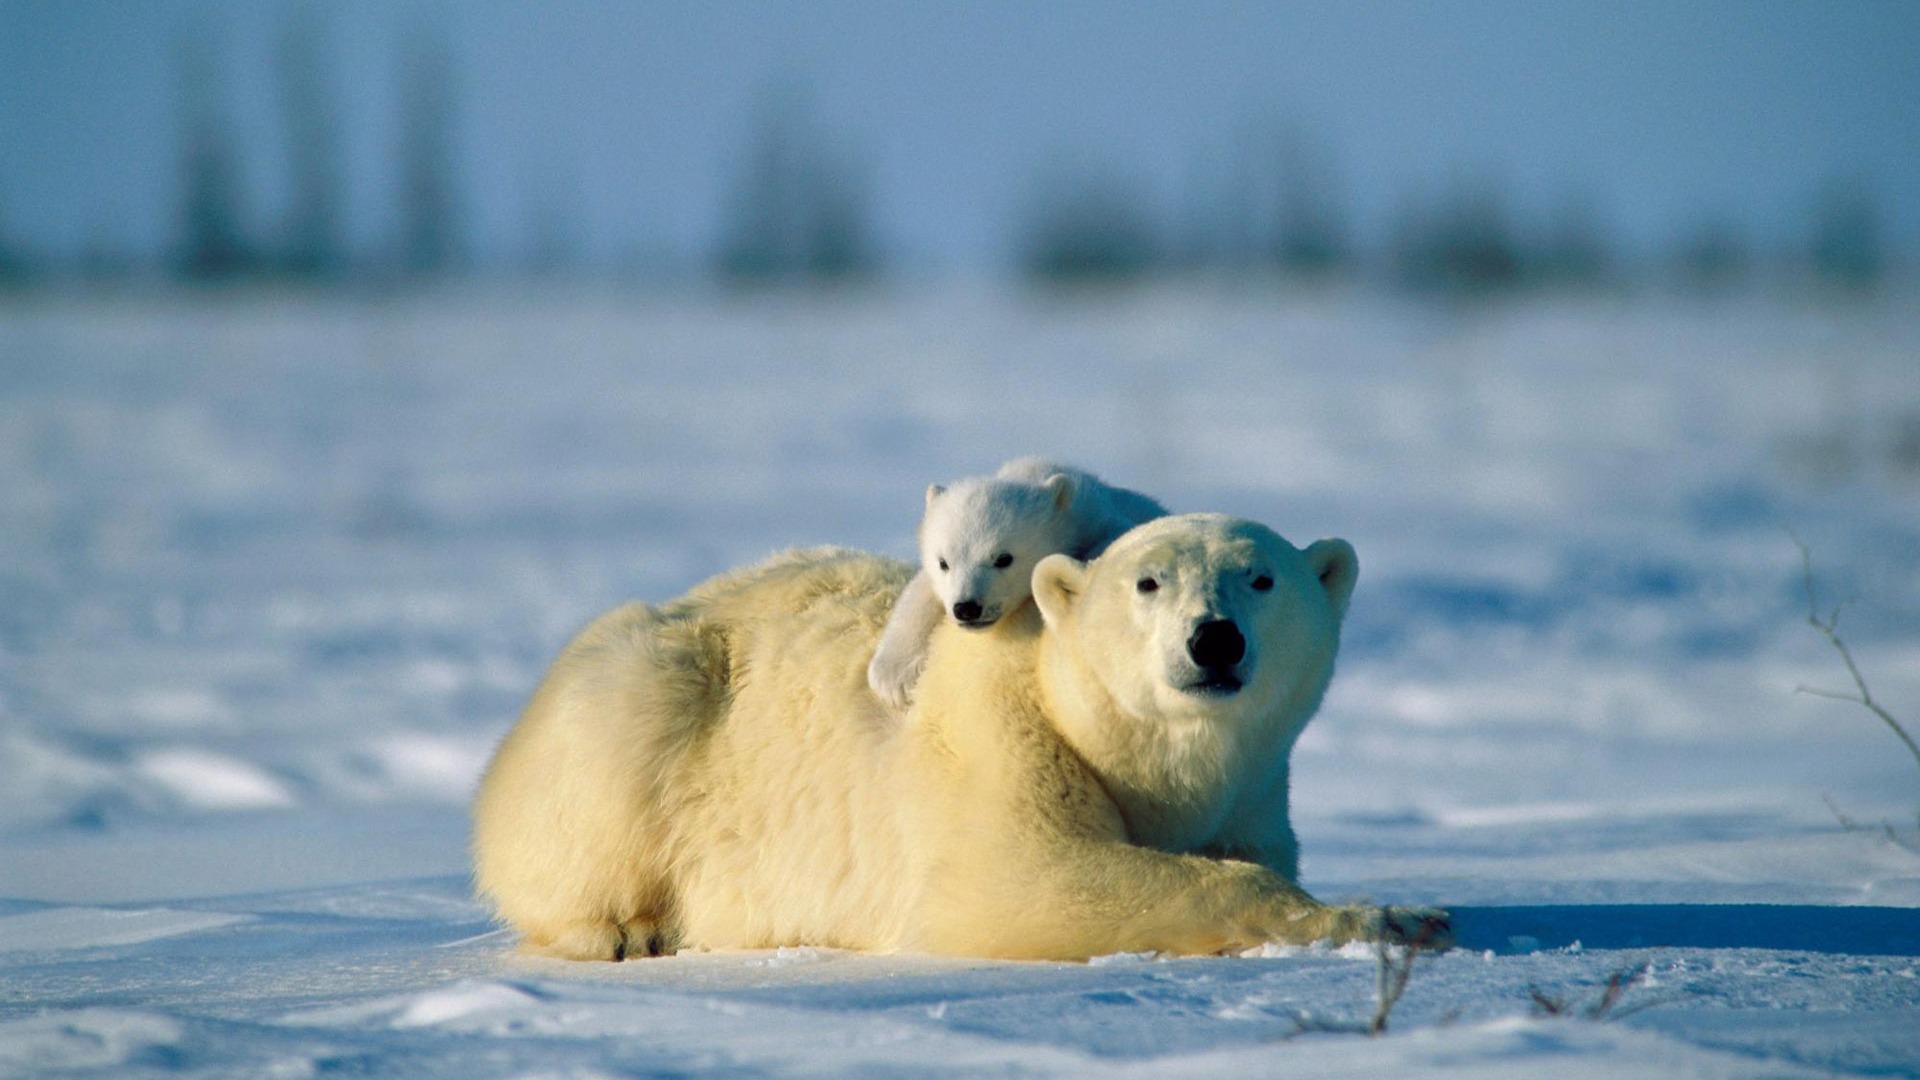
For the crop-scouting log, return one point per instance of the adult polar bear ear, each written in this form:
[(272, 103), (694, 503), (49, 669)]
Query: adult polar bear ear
[(1337, 567), (934, 491), (1057, 580)]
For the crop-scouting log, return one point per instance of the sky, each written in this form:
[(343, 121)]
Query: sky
[(621, 128)]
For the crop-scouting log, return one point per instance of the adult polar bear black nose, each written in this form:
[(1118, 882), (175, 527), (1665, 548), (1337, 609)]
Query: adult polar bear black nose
[(1217, 644), (967, 610)]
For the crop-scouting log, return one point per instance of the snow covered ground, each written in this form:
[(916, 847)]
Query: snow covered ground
[(275, 574)]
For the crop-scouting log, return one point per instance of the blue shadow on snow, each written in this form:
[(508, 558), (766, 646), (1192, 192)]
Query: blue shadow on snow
[(1869, 931)]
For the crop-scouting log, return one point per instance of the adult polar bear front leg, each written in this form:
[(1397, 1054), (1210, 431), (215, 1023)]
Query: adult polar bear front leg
[(1030, 856), (902, 652)]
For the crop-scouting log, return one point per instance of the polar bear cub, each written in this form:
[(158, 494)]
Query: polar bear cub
[(979, 541)]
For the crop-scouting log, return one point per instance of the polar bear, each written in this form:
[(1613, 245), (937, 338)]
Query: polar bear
[(1105, 773), (979, 541)]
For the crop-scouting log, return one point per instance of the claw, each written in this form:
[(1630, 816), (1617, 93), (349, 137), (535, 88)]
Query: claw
[(1421, 928)]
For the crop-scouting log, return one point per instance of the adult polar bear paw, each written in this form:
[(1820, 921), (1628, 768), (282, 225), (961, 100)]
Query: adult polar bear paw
[(1421, 928), (1105, 773)]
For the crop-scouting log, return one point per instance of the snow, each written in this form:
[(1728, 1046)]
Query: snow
[(85, 927), (280, 571)]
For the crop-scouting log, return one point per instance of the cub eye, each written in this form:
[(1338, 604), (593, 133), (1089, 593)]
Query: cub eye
[(1146, 584), (1262, 583), (1002, 561), (943, 564)]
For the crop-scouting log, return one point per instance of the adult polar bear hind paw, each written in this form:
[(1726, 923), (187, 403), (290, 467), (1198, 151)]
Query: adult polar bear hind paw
[(1106, 772)]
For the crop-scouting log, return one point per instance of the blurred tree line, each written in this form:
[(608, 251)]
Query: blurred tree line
[(799, 212), (1279, 214), (801, 209), (311, 243)]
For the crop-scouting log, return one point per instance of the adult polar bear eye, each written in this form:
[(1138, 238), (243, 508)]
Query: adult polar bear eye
[(1262, 583), (1002, 561), (1146, 584), (942, 562)]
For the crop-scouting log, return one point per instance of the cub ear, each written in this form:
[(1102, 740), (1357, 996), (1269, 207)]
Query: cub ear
[(1060, 486), (1337, 567), (934, 491), (1057, 581)]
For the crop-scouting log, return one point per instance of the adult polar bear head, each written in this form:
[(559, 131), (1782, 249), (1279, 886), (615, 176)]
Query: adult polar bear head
[(1107, 776), (1183, 664)]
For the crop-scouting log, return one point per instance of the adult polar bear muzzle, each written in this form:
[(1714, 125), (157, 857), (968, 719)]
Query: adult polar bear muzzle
[(1217, 647)]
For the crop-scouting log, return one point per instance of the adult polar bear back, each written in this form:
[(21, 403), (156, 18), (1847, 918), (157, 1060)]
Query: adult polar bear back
[(713, 772)]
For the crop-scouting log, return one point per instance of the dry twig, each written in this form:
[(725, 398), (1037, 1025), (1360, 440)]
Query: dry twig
[(1392, 970), (1829, 628), (1603, 1007), (1390, 975)]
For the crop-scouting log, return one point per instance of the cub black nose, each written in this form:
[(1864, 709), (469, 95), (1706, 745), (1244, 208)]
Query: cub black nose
[(967, 610), (1216, 644)]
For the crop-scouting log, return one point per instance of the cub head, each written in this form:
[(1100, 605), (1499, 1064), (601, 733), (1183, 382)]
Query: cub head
[(1199, 621), (980, 539)]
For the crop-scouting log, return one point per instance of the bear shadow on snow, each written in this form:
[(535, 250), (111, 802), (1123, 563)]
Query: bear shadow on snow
[(1865, 931), (1104, 770)]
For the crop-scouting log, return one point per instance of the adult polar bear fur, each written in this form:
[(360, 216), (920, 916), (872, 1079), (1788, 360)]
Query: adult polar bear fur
[(713, 772)]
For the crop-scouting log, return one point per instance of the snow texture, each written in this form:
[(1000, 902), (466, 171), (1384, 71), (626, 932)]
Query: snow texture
[(278, 572)]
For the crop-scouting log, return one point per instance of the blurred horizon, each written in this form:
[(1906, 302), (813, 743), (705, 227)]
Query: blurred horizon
[(1473, 146)]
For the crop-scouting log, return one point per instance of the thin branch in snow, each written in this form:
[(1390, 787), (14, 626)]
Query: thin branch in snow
[(1601, 1008), (1886, 827), (1617, 985), (1392, 971), (1829, 628)]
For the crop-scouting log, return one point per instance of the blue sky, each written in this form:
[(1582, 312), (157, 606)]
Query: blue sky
[(633, 117)]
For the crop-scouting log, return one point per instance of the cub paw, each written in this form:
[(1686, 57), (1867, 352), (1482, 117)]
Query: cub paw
[(892, 679)]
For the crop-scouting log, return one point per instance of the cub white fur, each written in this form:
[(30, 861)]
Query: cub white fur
[(1099, 772), (979, 540)]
